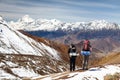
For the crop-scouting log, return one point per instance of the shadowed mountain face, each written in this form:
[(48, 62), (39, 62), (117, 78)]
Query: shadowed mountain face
[(74, 36)]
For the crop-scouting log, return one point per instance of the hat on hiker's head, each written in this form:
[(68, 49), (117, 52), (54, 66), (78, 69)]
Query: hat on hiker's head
[(71, 45), (86, 41)]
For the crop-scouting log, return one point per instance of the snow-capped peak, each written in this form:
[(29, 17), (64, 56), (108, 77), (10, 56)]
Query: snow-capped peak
[(100, 24), (26, 19)]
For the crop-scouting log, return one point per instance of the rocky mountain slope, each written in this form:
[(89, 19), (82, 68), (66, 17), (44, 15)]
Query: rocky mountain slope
[(22, 56)]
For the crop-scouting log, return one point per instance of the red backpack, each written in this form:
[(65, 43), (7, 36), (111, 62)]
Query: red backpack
[(86, 45)]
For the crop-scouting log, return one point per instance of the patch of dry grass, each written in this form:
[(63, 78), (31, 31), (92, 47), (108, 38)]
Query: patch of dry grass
[(116, 76)]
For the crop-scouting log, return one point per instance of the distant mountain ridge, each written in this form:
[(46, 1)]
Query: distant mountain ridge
[(29, 24)]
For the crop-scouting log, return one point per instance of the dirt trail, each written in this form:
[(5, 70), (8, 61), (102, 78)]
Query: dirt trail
[(57, 76), (54, 76)]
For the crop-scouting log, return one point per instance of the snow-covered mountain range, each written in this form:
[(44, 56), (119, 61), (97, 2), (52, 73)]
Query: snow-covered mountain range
[(29, 24)]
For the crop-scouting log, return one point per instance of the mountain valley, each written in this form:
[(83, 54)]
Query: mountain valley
[(30, 49)]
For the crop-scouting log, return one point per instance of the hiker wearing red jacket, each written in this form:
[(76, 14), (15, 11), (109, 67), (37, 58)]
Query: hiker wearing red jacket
[(86, 50)]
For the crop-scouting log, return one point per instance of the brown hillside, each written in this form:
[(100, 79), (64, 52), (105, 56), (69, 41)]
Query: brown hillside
[(112, 58)]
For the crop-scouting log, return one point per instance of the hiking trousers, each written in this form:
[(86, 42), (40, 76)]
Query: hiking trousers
[(72, 63), (85, 62)]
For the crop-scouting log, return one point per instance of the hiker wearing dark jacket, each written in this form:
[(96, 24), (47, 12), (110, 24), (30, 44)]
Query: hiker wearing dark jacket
[(72, 54), (86, 50)]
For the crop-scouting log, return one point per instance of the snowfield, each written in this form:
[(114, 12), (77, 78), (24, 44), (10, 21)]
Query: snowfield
[(96, 73)]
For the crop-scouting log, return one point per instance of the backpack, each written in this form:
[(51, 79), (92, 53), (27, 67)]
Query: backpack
[(86, 45), (72, 51)]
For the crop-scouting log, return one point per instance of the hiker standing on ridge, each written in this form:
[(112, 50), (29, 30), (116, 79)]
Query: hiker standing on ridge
[(73, 54), (86, 50)]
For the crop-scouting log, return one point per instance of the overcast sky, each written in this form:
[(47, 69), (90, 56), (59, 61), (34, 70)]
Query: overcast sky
[(63, 10)]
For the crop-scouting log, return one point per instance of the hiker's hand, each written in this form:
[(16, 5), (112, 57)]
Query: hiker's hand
[(91, 49)]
